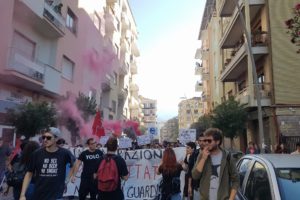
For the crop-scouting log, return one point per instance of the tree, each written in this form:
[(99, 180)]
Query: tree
[(204, 122), (230, 117), (30, 118)]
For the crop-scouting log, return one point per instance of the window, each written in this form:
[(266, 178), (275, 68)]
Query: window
[(258, 185), (115, 77), (261, 78), (188, 111), (117, 50), (195, 111), (67, 69), (71, 21), (23, 46), (113, 106), (242, 169)]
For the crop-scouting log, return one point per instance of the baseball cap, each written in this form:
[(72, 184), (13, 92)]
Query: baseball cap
[(55, 131)]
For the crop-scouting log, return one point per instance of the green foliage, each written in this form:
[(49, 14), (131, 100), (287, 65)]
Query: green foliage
[(30, 118), (204, 122), (293, 26), (86, 105), (230, 117)]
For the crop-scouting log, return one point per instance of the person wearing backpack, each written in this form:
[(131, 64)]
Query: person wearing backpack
[(90, 159), (170, 170), (111, 170), (18, 167)]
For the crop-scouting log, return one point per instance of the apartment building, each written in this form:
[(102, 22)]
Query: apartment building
[(275, 59), (169, 131), (189, 111), (149, 111), (45, 45)]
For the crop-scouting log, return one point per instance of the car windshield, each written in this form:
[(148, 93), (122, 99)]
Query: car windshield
[(288, 182)]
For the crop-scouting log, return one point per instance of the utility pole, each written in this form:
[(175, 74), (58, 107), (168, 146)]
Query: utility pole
[(256, 85)]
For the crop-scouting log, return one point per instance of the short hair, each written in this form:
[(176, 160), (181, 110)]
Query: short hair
[(89, 140), (215, 133), (112, 144), (191, 144), (251, 143), (200, 135), (298, 144)]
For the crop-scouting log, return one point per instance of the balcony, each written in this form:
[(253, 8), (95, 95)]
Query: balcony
[(111, 1), (236, 65), (107, 83), (202, 54), (111, 24), (205, 98), (125, 21), (226, 8), (133, 67), (234, 30), (125, 46), (134, 48), (25, 70), (198, 87), (134, 87), (205, 76), (198, 69), (43, 16), (250, 100), (123, 93)]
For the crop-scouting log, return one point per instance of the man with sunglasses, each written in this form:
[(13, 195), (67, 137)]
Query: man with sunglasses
[(215, 168), (48, 165), (90, 159)]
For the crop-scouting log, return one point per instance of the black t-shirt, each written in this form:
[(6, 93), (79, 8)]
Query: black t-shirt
[(49, 169), (166, 185), (123, 171), (90, 162)]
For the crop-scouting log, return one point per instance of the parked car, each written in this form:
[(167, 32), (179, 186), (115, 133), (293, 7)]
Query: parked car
[(269, 177)]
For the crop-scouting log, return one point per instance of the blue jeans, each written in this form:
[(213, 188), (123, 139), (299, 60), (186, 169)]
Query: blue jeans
[(176, 196)]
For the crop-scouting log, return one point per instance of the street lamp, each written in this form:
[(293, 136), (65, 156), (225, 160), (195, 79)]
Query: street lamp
[(258, 95)]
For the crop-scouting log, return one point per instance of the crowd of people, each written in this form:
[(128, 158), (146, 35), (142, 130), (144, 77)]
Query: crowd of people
[(45, 169)]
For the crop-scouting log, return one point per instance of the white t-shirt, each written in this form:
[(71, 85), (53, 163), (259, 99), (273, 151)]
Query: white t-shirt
[(214, 179)]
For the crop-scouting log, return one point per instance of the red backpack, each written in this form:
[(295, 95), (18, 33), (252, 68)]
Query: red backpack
[(108, 175)]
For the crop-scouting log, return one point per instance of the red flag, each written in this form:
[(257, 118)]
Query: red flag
[(98, 129)]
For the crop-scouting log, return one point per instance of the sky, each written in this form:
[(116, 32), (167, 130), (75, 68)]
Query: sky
[(167, 39)]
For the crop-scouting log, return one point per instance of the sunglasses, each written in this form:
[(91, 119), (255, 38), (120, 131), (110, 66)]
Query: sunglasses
[(200, 140), (208, 141), (46, 137)]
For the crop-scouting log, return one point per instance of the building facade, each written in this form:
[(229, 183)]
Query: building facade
[(149, 111), (189, 111), (52, 49), (275, 59), (169, 132)]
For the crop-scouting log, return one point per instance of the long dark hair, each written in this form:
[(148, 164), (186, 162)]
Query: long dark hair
[(169, 162), (29, 148)]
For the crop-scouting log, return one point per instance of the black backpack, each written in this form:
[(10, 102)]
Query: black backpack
[(15, 177)]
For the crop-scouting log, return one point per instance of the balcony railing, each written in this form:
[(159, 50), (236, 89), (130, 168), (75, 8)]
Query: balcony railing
[(53, 14), (259, 39), (199, 87), (25, 66), (245, 97), (198, 70)]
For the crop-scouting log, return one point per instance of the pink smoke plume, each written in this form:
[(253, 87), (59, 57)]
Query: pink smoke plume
[(68, 109), (116, 127), (99, 63)]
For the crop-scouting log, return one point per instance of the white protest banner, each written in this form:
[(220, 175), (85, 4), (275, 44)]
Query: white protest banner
[(143, 140), (142, 164), (143, 182), (125, 143), (187, 135), (103, 140)]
